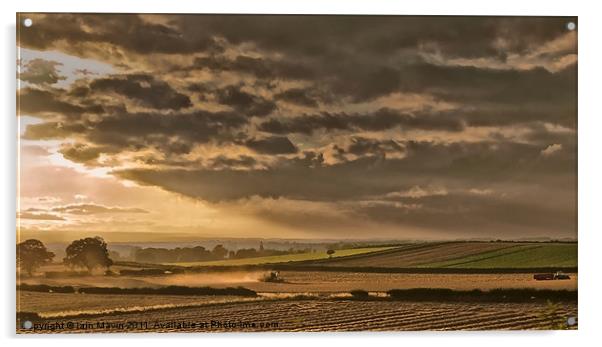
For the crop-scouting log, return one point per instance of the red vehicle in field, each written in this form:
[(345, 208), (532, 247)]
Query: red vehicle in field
[(558, 275)]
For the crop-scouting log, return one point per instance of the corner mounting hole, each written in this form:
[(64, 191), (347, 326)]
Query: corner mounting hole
[(27, 22), (571, 321), (571, 26)]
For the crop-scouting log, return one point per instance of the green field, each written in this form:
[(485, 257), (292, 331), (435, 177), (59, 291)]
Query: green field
[(468, 255), (520, 256), (284, 258)]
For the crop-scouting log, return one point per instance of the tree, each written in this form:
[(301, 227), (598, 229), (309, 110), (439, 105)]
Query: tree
[(89, 253), (32, 254), (330, 252), (219, 252)]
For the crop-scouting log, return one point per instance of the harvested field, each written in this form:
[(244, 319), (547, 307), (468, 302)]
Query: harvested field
[(321, 281), (217, 279), (323, 315), (61, 304), (307, 281)]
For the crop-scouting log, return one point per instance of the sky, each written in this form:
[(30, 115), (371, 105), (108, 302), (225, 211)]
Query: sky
[(181, 127)]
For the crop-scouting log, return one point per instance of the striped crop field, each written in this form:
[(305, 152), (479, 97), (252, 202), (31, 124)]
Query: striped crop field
[(286, 258), (477, 255)]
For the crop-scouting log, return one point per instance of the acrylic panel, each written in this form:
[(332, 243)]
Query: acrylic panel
[(295, 173)]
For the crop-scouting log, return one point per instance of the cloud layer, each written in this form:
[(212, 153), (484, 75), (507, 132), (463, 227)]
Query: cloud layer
[(455, 126)]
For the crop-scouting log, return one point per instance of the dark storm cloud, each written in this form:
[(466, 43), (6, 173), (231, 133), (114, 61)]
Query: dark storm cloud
[(128, 32), (307, 159), (470, 213), (52, 130), (272, 145), (221, 162), (352, 79), (244, 102), (33, 101), (298, 96), (369, 84), (520, 114), (365, 68), (364, 54), (195, 127), (145, 89), (469, 84), (81, 153), (487, 216), (476, 162), (212, 185), (314, 35), (294, 35), (259, 67), (40, 71), (361, 80), (360, 146), (455, 73), (541, 135), (382, 119), (173, 134), (521, 201), (473, 163)]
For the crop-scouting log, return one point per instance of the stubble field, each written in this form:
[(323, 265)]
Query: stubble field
[(326, 315)]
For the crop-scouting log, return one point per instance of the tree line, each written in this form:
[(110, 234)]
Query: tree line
[(200, 253), (91, 253)]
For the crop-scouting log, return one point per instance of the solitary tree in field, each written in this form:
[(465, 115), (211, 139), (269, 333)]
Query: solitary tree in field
[(330, 252), (88, 253), (32, 254)]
